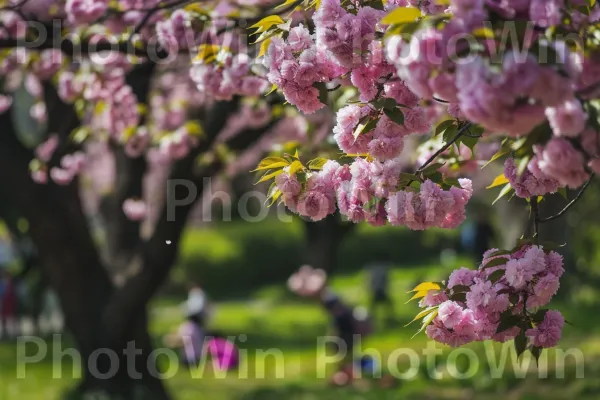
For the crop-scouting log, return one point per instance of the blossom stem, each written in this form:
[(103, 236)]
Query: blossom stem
[(535, 217), (445, 147), (571, 203)]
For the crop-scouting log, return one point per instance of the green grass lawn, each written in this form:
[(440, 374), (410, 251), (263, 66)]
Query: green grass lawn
[(275, 320)]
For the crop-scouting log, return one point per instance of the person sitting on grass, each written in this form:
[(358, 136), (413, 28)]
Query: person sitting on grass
[(347, 321), (194, 340)]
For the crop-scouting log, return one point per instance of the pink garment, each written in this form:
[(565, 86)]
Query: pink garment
[(224, 352)]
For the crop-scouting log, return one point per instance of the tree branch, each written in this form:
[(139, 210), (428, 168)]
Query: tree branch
[(123, 235), (444, 147), (571, 203), (159, 253)]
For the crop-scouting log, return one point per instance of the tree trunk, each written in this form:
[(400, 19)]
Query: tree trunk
[(323, 241), (72, 264)]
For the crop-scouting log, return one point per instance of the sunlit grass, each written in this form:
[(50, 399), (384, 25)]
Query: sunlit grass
[(274, 320)]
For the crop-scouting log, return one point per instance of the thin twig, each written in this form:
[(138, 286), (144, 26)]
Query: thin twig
[(445, 147), (571, 203), (535, 217), (153, 11)]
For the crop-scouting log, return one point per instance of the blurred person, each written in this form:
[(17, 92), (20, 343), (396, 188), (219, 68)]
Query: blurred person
[(190, 334), (194, 340), (378, 272), (198, 300), (478, 235), (347, 321), (8, 305)]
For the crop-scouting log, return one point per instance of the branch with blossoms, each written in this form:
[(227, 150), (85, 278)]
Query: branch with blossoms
[(387, 71), (401, 71)]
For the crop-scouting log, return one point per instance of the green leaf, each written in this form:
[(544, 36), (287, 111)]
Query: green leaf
[(401, 15), (371, 203), (432, 168), (427, 321), (495, 262), (514, 298), (536, 352), (459, 297), (384, 102), (496, 275), (460, 288), (563, 192), (408, 177), (415, 185), (470, 142), (390, 104), (505, 190), (499, 180), (539, 316), (500, 253), (436, 177), (364, 127), (449, 133), (521, 343), (395, 115), (323, 92), (507, 322), (442, 126)]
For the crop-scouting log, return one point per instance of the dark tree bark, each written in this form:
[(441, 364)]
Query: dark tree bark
[(323, 241), (98, 314)]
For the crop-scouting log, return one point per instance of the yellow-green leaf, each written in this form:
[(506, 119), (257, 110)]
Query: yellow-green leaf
[(295, 167), (268, 176), (484, 33), (272, 162), (505, 190), (273, 88), (495, 157), (286, 3), (317, 163), (401, 15), (266, 23), (427, 321), (499, 180), (418, 295), (207, 52), (194, 128), (422, 314), (275, 195), (263, 48), (425, 286)]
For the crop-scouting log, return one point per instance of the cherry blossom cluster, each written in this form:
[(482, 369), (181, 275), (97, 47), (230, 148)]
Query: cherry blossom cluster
[(386, 140), (560, 162), (230, 75), (512, 99), (368, 191), (296, 64), (500, 301)]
